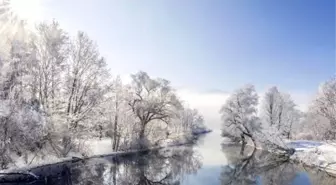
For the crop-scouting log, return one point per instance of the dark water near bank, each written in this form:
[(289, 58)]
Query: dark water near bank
[(208, 162)]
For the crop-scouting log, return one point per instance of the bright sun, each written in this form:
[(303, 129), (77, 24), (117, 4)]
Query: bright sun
[(25, 10)]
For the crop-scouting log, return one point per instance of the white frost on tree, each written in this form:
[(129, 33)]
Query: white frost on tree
[(240, 120), (279, 112), (23, 126), (56, 93), (239, 114), (312, 126), (86, 82), (119, 119), (152, 101), (325, 107), (50, 47), (189, 123)]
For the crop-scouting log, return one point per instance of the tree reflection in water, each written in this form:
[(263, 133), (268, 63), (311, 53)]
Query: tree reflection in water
[(259, 167), (161, 167), (172, 166)]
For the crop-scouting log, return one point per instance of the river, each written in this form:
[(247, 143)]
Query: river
[(207, 162)]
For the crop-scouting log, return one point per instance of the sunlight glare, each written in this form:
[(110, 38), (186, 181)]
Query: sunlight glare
[(17, 19), (27, 10)]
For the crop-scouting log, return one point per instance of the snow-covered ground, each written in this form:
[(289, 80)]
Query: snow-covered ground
[(317, 154), (100, 147), (96, 147)]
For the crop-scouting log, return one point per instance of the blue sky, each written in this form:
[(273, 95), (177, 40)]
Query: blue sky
[(211, 45), (209, 48)]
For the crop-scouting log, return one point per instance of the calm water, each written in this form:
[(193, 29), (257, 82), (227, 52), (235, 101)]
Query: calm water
[(208, 162)]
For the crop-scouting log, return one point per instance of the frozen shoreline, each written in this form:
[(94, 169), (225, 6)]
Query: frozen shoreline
[(99, 148), (321, 155), (315, 154)]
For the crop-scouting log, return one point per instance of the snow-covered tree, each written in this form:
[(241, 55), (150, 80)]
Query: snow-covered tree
[(119, 117), (22, 122), (325, 106), (290, 116), (271, 106), (86, 81), (16, 72), (85, 85), (56, 92), (69, 82), (313, 126), (189, 123), (279, 111), (153, 100), (118, 102), (239, 114), (50, 47)]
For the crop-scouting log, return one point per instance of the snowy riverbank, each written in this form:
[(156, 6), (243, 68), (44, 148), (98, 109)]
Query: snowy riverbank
[(97, 148), (321, 155), (316, 154)]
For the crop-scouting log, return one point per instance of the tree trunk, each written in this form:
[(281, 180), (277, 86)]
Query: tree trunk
[(114, 174), (115, 130), (66, 142), (243, 144), (142, 137)]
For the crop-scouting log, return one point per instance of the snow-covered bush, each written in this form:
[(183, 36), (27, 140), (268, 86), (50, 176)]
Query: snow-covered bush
[(304, 136), (23, 130)]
